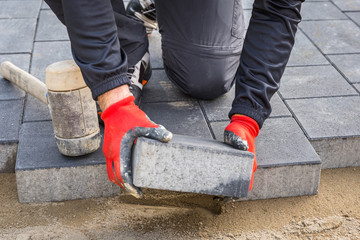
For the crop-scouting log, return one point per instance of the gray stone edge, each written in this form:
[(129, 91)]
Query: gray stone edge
[(8, 157)]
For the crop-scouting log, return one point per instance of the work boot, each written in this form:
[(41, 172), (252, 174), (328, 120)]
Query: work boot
[(145, 11), (139, 75)]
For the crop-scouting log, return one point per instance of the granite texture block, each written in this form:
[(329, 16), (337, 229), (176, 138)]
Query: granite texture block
[(355, 16), (43, 174), (184, 118), (10, 120), (347, 5), (8, 157), (155, 50), (35, 110), (348, 64), (219, 108), (305, 53), (17, 35), (8, 90), (50, 28), (161, 89), (314, 81), (188, 164), (332, 126), (46, 53), (287, 163), (20, 9), (320, 11), (333, 36)]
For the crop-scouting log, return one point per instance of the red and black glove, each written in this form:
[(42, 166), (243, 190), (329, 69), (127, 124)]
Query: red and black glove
[(124, 122), (241, 134)]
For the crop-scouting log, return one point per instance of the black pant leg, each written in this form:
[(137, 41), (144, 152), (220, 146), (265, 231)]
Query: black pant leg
[(104, 41), (268, 43)]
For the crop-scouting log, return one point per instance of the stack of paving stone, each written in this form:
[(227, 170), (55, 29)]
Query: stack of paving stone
[(314, 123)]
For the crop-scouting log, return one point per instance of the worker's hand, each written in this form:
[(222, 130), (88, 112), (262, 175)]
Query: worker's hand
[(241, 134), (124, 121)]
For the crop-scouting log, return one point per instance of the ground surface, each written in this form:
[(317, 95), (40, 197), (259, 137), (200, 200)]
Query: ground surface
[(332, 214)]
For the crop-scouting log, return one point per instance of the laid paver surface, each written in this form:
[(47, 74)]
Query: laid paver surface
[(316, 108)]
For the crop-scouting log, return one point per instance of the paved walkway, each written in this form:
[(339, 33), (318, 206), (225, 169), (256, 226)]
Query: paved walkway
[(315, 113)]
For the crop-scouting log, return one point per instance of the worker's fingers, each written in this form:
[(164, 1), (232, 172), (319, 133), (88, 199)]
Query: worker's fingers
[(234, 140), (125, 171), (160, 133)]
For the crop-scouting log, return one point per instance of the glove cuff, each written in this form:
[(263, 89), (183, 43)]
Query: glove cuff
[(250, 123), (113, 108)]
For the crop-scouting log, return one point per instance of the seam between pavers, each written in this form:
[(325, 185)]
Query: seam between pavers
[(206, 119), (299, 98), (60, 40), (58, 167), (15, 53), (9, 141), (32, 121), (308, 65), (334, 137)]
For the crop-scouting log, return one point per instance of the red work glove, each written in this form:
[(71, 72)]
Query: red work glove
[(124, 121), (241, 134)]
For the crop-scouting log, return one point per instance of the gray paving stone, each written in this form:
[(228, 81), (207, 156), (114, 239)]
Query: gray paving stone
[(347, 5), (8, 157), (247, 4), (8, 90), (320, 11), (43, 174), (287, 163), (357, 86), (311, 81), (247, 16), (161, 89), (20, 9), (332, 126), (10, 120), (218, 109), (46, 53), (184, 118), (44, 5), (348, 65), (155, 50), (333, 36), (35, 110), (305, 53), (355, 16), (188, 164), (50, 28), (17, 35)]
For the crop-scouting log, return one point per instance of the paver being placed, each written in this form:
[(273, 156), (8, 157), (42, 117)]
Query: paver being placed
[(8, 90), (287, 163), (332, 126), (50, 28), (189, 164), (320, 11), (43, 174), (314, 81), (161, 89), (333, 36), (20, 9), (305, 53), (184, 118), (10, 120), (17, 35), (348, 64)]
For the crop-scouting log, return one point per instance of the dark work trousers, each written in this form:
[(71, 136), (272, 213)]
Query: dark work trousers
[(203, 44)]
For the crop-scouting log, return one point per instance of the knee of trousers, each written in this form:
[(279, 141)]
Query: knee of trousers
[(203, 77)]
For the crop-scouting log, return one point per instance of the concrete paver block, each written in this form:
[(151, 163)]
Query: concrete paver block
[(161, 89), (35, 110), (355, 16), (8, 156), (348, 65), (9, 91), (20, 9), (184, 118), (50, 28), (320, 11), (347, 5), (357, 86), (287, 163), (305, 53), (17, 35), (189, 164), (333, 36), (314, 81), (43, 174), (332, 126)]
